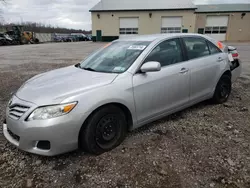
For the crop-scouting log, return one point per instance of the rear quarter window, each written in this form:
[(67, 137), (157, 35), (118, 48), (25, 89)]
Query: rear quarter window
[(213, 49)]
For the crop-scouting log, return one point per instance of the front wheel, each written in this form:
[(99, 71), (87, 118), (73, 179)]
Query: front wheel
[(104, 130), (223, 90)]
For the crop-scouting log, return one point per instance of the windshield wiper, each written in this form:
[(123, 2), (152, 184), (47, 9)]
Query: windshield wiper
[(89, 69), (77, 65)]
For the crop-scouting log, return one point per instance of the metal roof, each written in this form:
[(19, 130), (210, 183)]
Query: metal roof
[(128, 5), (223, 8)]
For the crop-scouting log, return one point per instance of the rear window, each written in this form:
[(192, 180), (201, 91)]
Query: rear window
[(213, 49)]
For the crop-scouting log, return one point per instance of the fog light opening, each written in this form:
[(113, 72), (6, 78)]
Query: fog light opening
[(43, 144)]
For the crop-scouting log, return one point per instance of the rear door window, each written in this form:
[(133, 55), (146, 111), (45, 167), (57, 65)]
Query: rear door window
[(196, 47)]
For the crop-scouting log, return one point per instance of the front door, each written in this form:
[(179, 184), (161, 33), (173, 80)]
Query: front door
[(98, 35), (157, 93)]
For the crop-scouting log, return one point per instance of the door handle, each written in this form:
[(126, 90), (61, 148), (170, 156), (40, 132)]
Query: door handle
[(183, 70), (220, 59)]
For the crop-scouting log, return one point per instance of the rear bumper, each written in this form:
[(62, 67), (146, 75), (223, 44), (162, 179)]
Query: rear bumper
[(236, 69)]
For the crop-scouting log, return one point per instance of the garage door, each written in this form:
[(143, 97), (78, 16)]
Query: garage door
[(216, 27), (171, 24), (129, 26)]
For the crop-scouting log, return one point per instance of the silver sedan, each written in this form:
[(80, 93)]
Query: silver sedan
[(125, 85)]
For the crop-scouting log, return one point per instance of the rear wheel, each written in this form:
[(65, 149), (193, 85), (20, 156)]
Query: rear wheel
[(223, 90), (36, 40), (104, 130)]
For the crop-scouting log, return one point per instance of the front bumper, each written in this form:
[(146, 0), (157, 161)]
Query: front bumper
[(61, 132)]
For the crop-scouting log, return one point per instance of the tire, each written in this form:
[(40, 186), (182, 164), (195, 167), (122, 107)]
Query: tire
[(36, 40), (104, 130), (24, 41), (222, 90)]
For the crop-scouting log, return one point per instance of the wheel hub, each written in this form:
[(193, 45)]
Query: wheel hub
[(108, 132)]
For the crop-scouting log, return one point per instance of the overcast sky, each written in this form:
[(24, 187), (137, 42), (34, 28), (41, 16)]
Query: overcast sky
[(66, 13)]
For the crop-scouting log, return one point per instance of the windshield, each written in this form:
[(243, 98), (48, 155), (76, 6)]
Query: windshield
[(115, 57)]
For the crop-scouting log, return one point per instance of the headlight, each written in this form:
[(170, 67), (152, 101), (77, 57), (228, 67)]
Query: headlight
[(48, 112)]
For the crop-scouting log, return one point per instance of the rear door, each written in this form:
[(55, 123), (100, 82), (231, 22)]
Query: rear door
[(204, 61)]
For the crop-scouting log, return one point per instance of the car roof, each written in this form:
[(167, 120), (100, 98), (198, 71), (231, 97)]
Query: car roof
[(154, 37)]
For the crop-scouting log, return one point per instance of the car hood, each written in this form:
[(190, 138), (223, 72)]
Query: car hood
[(54, 86)]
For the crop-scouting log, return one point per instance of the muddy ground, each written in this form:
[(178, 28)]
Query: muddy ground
[(203, 146)]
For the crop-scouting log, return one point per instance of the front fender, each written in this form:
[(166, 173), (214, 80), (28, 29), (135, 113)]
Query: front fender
[(120, 91)]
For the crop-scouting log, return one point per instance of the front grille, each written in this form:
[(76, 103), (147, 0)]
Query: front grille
[(14, 136), (16, 111)]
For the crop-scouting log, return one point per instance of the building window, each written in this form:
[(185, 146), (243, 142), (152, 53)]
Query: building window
[(216, 30), (208, 30), (128, 31), (171, 30), (223, 29)]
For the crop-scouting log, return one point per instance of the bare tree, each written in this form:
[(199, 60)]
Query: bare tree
[(42, 28)]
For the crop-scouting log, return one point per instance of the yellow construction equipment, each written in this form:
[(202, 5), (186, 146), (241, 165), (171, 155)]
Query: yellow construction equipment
[(22, 37)]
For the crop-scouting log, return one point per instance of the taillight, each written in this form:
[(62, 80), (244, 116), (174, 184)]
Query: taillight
[(235, 55)]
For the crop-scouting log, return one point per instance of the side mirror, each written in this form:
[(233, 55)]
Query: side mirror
[(151, 66)]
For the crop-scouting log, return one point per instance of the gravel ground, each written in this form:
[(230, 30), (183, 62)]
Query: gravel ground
[(203, 146)]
